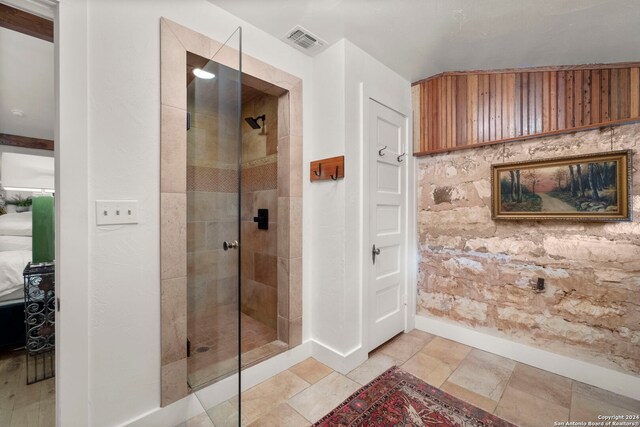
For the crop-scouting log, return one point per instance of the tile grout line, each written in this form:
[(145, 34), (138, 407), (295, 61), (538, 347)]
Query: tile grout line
[(505, 388), (456, 368), (296, 411), (573, 383)]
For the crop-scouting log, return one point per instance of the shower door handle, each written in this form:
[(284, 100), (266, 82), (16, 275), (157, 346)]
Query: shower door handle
[(230, 245)]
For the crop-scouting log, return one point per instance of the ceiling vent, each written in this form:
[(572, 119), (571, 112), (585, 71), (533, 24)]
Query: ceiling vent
[(304, 40)]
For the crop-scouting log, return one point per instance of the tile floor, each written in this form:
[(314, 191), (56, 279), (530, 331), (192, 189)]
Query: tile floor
[(213, 357), (24, 405), (524, 395)]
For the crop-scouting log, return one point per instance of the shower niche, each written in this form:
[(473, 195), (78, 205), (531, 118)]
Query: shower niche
[(231, 207)]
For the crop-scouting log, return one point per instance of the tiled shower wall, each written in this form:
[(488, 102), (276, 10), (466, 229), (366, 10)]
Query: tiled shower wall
[(259, 294)]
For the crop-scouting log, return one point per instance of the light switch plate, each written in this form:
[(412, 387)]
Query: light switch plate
[(110, 212)]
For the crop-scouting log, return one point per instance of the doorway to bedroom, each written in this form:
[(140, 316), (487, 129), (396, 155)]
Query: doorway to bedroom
[(27, 222)]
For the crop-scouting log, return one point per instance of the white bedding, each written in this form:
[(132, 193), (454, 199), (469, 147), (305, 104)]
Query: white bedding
[(15, 224), (12, 264), (15, 243), (13, 297)]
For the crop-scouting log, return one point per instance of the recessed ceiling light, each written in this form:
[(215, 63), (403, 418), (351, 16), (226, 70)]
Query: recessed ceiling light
[(203, 74), (17, 113)]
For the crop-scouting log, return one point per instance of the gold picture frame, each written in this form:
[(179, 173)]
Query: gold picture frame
[(592, 187)]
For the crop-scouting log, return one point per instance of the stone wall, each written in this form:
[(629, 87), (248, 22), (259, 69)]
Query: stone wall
[(479, 273)]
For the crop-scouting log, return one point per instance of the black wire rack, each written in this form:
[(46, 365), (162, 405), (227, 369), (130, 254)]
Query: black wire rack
[(39, 319)]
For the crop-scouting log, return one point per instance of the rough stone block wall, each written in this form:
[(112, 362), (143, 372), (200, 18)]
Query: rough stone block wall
[(478, 272)]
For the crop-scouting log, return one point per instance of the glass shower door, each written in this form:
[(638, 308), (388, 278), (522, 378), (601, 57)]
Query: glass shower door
[(213, 222)]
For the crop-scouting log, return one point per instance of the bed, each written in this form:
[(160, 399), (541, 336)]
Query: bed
[(15, 254)]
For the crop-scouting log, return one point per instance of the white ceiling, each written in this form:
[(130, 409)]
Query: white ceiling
[(419, 38), (26, 84)]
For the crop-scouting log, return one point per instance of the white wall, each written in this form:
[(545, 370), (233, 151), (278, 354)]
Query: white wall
[(327, 201), (346, 77), (123, 163)]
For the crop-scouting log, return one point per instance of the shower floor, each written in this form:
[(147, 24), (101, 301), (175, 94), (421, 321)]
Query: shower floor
[(214, 352)]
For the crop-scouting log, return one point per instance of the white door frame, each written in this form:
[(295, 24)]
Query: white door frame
[(368, 93), (71, 151)]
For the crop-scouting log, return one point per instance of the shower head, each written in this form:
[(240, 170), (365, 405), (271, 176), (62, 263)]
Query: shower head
[(253, 121)]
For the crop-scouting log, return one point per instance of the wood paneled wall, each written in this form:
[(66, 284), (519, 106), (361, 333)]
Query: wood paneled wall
[(463, 109)]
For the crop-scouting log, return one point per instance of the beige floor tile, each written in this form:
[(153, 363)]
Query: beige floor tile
[(470, 397), (587, 402), (402, 347), (542, 384), (311, 370), (201, 420), (371, 368), (484, 373), (224, 414), (319, 399), (258, 400), (447, 351), (282, 415), (431, 370), (526, 410), (421, 335), (606, 396)]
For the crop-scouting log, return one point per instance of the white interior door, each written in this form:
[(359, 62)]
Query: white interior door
[(387, 229)]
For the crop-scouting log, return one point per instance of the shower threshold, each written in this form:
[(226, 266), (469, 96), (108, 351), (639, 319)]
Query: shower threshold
[(225, 368)]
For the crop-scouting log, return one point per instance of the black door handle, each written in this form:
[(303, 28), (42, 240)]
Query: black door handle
[(262, 219), (374, 251)]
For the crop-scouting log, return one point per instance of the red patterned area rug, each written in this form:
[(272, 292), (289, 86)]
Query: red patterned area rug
[(397, 398)]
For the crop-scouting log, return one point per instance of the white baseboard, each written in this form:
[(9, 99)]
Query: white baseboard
[(208, 397), (343, 363), (608, 379), (169, 416)]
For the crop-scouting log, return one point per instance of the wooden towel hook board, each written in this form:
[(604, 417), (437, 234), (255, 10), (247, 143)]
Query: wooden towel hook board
[(331, 168)]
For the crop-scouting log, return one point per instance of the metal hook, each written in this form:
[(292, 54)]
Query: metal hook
[(400, 156), (319, 171), (335, 178), (380, 151)]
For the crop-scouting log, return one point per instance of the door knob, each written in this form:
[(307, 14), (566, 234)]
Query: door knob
[(375, 251), (230, 245)]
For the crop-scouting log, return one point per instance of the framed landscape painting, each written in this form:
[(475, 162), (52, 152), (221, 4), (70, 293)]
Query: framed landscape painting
[(593, 187)]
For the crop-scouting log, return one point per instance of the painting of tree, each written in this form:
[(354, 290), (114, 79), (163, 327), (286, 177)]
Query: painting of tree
[(561, 186), (533, 177)]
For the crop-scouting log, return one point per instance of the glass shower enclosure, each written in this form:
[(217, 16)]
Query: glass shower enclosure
[(214, 88)]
